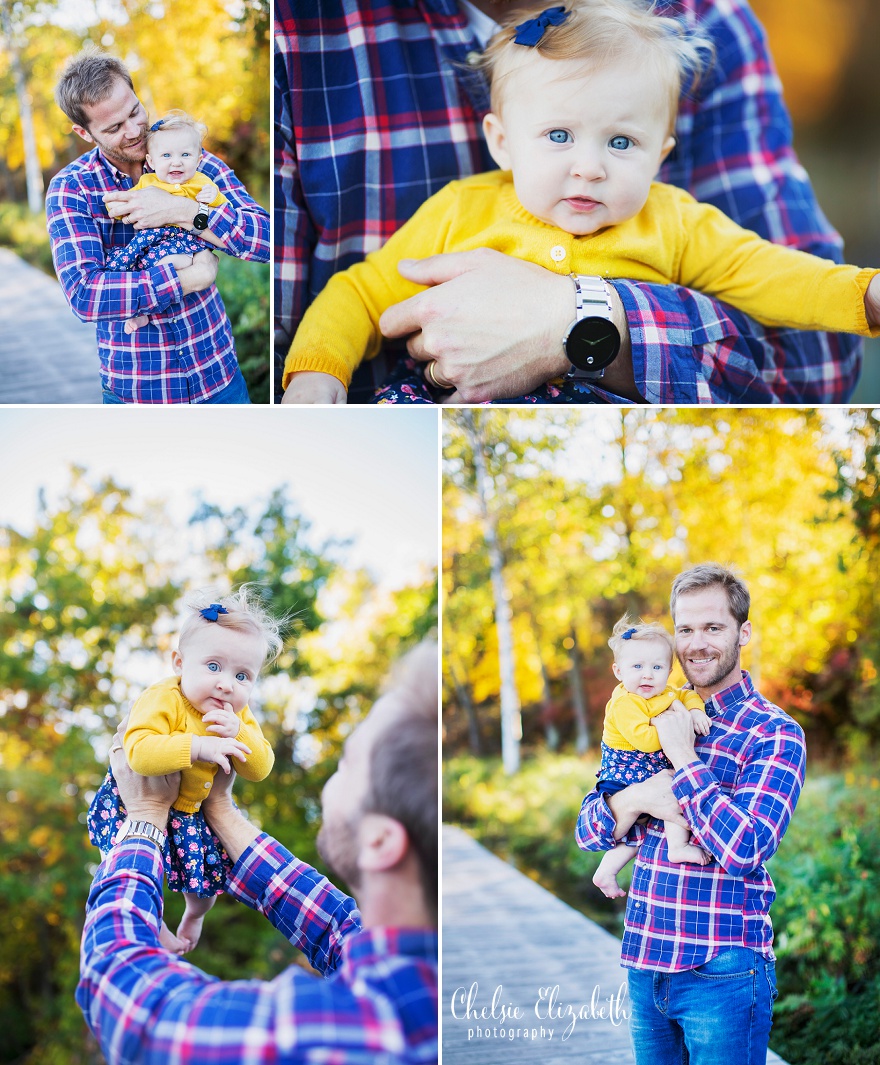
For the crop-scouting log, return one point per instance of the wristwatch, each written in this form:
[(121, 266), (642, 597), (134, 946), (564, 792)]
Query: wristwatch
[(200, 221), (142, 829), (592, 341)]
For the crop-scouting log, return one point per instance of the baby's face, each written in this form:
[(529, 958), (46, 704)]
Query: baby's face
[(218, 665), (584, 144), (174, 155), (643, 666)]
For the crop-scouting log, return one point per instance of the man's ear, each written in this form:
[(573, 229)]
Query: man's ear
[(745, 633), (383, 843), (83, 133), (493, 131)]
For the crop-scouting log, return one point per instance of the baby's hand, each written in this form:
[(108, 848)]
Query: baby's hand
[(700, 721), (217, 750), (207, 193), (309, 386), (225, 722), (872, 301)]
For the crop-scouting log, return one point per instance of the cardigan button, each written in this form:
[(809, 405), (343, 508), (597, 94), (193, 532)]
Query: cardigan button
[(557, 253), (207, 783), (197, 805)]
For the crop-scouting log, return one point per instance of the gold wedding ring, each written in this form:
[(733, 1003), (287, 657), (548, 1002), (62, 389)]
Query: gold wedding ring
[(429, 371)]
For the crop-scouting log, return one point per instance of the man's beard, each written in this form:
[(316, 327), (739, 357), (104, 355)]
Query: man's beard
[(338, 846), (123, 154), (726, 663)]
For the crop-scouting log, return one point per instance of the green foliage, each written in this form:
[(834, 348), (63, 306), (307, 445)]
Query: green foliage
[(25, 234), (244, 287)]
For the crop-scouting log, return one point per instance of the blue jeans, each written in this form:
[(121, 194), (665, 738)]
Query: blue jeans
[(235, 392), (717, 1014)]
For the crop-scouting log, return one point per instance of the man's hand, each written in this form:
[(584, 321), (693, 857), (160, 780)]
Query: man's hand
[(201, 274), (151, 207), (653, 796), (310, 386), (236, 833), (144, 798), (675, 731), (225, 722)]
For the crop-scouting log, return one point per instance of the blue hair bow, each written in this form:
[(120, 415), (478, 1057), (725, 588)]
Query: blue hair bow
[(531, 31), (628, 635), (213, 612), (153, 128)]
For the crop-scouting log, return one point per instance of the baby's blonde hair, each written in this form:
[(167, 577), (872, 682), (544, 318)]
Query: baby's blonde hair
[(176, 119), (625, 630), (602, 31), (244, 612)]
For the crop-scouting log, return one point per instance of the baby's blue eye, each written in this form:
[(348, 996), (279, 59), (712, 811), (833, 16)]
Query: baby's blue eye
[(560, 136), (620, 143), (241, 677), (213, 667)]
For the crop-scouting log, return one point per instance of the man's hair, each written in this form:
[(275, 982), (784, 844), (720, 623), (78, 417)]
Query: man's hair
[(244, 612), (625, 631), (603, 31), (176, 119), (708, 575), (403, 762), (86, 80)]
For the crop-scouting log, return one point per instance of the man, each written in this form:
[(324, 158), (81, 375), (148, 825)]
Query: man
[(698, 939), (187, 355), (379, 833), (377, 108)]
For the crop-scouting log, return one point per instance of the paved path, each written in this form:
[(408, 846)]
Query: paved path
[(508, 936), (46, 354)]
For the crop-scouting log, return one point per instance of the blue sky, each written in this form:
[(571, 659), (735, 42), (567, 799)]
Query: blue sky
[(369, 475)]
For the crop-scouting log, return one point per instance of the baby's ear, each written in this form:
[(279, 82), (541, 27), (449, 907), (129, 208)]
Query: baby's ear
[(493, 131), (668, 145)]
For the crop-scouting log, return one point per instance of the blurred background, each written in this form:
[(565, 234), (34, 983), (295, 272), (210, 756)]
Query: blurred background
[(554, 525), (102, 531), (208, 57)]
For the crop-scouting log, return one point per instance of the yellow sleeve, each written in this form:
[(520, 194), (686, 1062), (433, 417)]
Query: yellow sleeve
[(156, 741), (341, 327), (691, 700), (631, 716), (261, 759), (776, 285)]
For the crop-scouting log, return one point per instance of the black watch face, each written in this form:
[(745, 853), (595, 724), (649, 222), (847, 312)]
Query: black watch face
[(592, 344), (201, 220)]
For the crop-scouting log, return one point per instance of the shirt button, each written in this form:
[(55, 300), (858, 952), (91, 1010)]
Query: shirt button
[(557, 253), (207, 784)]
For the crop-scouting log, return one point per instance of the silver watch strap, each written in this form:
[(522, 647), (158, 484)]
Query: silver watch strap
[(591, 297), (142, 829)]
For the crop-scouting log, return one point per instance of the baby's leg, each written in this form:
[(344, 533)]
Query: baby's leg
[(680, 848), (190, 927), (178, 261), (605, 877), (133, 324)]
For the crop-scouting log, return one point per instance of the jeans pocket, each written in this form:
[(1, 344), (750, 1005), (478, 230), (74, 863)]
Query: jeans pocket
[(729, 964)]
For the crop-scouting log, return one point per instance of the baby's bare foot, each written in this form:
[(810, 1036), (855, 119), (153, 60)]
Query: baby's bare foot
[(607, 884), (171, 942), (190, 930), (690, 854)]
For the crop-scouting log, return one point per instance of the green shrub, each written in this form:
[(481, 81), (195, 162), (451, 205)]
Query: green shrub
[(25, 233)]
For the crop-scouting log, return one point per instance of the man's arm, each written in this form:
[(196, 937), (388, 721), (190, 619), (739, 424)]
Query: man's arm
[(602, 823), (743, 829)]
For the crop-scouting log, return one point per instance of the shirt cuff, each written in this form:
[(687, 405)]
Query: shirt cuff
[(162, 289), (692, 778), (252, 874), (138, 854)]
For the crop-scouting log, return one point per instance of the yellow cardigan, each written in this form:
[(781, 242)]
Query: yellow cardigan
[(628, 717), (158, 740), (673, 239), (190, 188)]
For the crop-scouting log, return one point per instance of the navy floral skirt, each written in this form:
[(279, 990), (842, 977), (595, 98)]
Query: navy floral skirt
[(195, 861), (406, 384), (619, 769), (148, 246)]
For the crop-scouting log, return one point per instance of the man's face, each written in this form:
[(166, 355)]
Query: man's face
[(342, 799), (118, 126), (708, 639)]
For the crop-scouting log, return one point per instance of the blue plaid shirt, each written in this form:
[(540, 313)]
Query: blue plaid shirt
[(149, 1007), (376, 109), (186, 354), (737, 799)]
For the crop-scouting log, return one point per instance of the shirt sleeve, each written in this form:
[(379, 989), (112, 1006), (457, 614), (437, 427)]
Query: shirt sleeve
[(595, 826), (301, 903), (734, 150), (93, 293), (240, 224), (146, 1006), (743, 829), (258, 764), (156, 741)]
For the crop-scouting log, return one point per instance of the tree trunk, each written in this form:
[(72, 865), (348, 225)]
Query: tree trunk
[(475, 741), (511, 719), (31, 159), (578, 699)]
